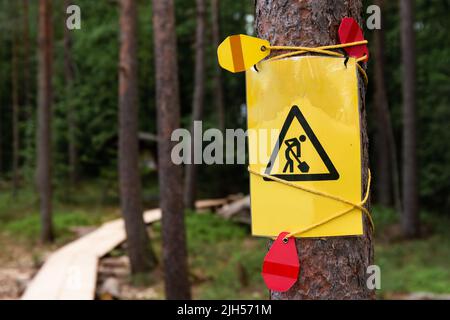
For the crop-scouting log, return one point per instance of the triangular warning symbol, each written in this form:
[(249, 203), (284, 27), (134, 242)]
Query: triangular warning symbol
[(295, 160)]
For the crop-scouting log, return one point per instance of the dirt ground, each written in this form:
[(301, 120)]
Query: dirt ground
[(18, 265), (114, 281), (19, 262)]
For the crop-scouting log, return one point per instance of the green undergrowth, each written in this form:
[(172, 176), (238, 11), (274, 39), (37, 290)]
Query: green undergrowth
[(225, 261), (419, 265)]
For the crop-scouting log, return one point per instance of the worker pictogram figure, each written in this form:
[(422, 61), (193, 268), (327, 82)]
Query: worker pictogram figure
[(293, 153)]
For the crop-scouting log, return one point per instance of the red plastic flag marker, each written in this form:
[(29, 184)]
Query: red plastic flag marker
[(349, 31), (281, 267)]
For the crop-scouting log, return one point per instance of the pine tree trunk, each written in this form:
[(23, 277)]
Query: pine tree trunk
[(218, 89), (69, 75), (26, 59), (410, 215), (141, 256), (197, 103), (1, 120), (386, 151), (170, 175), (1, 108), (44, 175), (15, 114), (334, 267), (27, 105)]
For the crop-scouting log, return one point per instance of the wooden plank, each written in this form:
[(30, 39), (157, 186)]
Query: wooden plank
[(70, 273), (210, 203), (229, 210)]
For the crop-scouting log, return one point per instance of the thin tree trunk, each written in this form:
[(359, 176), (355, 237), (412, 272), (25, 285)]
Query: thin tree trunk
[(1, 104), (387, 168), (1, 134), (334, 267), (26, 57), (15, 114), (1, 118), (44, 175), (170, 175), (28, 108), (218, 89), (69, 75), (410, 216), (197, 103), (142, 258)]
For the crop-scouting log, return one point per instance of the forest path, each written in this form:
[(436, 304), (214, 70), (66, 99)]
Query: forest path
[(70, 273)]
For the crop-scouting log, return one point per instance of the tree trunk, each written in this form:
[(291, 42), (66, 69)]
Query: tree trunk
[(170, 175), (69, 75), (27, 104), (197, 103), (15, 114), (1, 107), (385, 146), (26, 58), (141, 256), (44, 176), (410, 216), (1, 120), (334, 267), (218, 89)]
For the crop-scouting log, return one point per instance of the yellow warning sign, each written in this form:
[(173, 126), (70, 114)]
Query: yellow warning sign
[(303, 125)]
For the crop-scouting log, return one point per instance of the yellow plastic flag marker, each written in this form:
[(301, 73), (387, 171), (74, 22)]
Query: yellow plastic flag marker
[(240, 52)]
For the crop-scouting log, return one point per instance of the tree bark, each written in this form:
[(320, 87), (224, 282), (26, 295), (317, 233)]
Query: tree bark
[(334, 267), (1, 108), (197, 103), (44, 174), (170, 175), (1, 119), (410, 216), (385, 146), (142, 258), (27, 105), (69, 75), (218, 85), (15, 113), (26, 58)]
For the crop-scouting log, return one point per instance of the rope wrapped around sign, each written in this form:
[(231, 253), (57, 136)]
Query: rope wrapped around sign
[(352, 205), (325, 50)]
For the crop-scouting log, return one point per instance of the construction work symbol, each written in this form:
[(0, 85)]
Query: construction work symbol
[(298, 161)]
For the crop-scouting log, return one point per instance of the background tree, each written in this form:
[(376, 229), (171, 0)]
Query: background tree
[(2, 66), (218, 89), (44, 176), (170, 175), (69, 75), (141, 256), (410, 215), (15, 108), (197, 102), (324, 275), (28, 110), (387, 175)]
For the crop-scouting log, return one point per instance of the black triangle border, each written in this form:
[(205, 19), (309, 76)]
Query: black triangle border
[(332, 174)]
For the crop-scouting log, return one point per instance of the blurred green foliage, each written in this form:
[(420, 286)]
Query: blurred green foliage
[(433, 95), (94, 92), (420, 265)]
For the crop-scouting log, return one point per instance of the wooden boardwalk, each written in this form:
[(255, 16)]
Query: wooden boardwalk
[(70, 273)]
